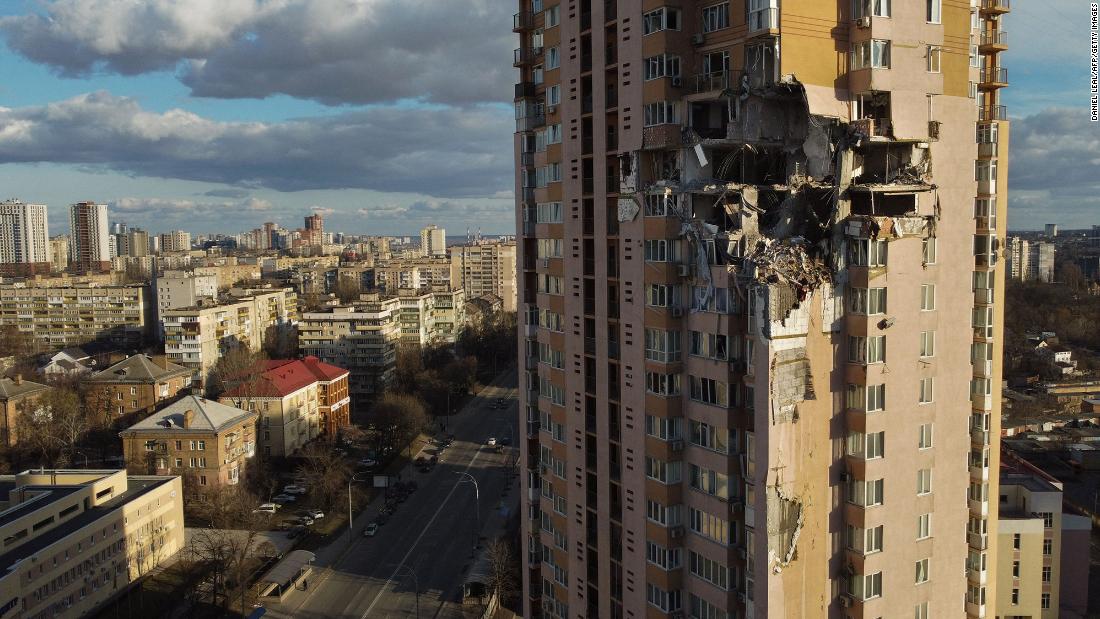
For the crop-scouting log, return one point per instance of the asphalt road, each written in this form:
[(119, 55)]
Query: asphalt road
[(431, 534)]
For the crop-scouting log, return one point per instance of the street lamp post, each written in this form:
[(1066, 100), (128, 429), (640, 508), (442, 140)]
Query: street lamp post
[(354, 478), (416, 584), (467, 478)]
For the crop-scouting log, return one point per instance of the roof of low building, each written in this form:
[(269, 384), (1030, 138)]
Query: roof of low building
[(208, 416), (14, 388), (138, 369), (278, 378)]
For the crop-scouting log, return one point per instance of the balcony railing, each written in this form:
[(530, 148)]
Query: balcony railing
[(993, 112), (530, 123), (715, 80), (994, 75), (996, 6), (997, 38), (524, 20), (525, 55)]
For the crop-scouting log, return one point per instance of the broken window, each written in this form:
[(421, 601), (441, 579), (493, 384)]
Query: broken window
[(874, 106), (760, 62), (662, 113), (872, 54)]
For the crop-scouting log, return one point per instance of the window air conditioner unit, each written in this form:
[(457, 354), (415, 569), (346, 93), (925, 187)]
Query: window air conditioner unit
[(545, 262), (676, 311), (676, 446), (677, 82), (684, 270), (697, 38), (676, 532), (551, 109), (845, 601), (864, 22)]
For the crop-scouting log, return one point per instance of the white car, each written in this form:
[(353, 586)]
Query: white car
[(284, 498), (492, 442), (266, 508), (371, 530), (294, 489), (368, 463), (316, 514)]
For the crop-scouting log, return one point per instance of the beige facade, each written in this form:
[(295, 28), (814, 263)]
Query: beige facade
[(59, 253), (414, 273), (486, 268), (431, 315), (433, 241), (742, 225), (72, 315), (176, 289), (77, 539), (195, 337), (205, 442), (176, 240), (134, 386)]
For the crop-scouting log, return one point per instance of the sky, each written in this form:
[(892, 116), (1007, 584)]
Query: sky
[(382, 115)]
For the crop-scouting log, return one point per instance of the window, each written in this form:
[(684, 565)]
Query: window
[(551, 17), (714, 572), (664, 18), (933, 9), (663, 65), (865, 493), (710, 437), (922, 572), (553, 134), (702, 609), (867, 300), (548, 174), (709, 391), (553, 95), (664, 558), (1044, 599), (553, 58), (1048, 519), (934, 58), (928, 250), (867, 446), (708, 481), (664, 515), (927, 344), (763, 14), (924, 440), (870, 8), (664, 472), (1048, 547), (924, 526), (664, 428), (868, 398), (1015, 596), (716, 62), (662, 346), (927, 297), (662, 384), (921, 611), (709, 345), (924, 481), (866, 541), (662, 113), (866, 350), (662, 250), (1046, 573), (716, 17), (926, 389), (868, 586), (867, 253), (873, 54), (662, 295), (550, 284), (709, 526), (667, 601), (1015, 541), (548, 213), (719, 300)]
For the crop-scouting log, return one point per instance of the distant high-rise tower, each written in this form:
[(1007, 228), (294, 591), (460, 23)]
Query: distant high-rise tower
[(24, 245), (314, 234), (1051, 230), (89, 241), (433, 241), (751, 249)]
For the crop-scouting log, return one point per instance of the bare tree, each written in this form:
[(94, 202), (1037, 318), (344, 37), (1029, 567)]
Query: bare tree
[(398, 417), (228, 546), (503, 569), (236, 367), (53, 425), (347, 289), (325, 472)]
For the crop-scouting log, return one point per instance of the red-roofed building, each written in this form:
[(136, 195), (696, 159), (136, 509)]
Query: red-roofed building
[(297, 399)]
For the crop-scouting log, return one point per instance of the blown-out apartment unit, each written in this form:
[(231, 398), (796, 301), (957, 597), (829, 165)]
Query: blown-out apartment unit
[(760, 303)]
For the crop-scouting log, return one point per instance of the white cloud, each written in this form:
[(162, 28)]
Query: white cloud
[(446, 152), (333, 51)]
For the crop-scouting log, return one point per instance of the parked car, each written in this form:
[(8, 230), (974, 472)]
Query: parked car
[(492, 442), (305, 520), (284, 498), (368, 463), (316, 514), (371, 530), (266, 508), (294, 489)]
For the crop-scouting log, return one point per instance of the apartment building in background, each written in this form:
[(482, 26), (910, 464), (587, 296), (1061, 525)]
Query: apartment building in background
[(76, 539), (24, 249), (59, 253), (487, 267), (72, 315), (431, 315), (89, 241), (206, 443), (362, 337), (1017, 254), (176, 240), (740, 302), (297, 401), (135, 385), (412, 273), (1041, 572), (178, 289), (1040, 262), (197, 336), (433, 241)]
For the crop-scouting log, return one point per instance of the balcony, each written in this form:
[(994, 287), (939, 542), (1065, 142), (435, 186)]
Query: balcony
[(525, 90), (979, 437), (525, 55), (993, 78), (524, 20), (995, 7), (983, 368), (764, 19), (977, 575), (979, 473), (715, 80), (527, 160), (988, 150), (993, 112), (978, 541), (983, 296), (993, 41), (530, 123), (978, 508)]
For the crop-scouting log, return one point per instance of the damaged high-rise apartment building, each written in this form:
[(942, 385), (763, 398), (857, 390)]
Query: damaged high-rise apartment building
[(761, 304)]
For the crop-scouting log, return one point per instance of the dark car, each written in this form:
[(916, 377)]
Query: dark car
[(421, 461)]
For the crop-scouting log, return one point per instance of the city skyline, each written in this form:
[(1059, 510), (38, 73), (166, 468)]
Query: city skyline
[(429, 148)]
